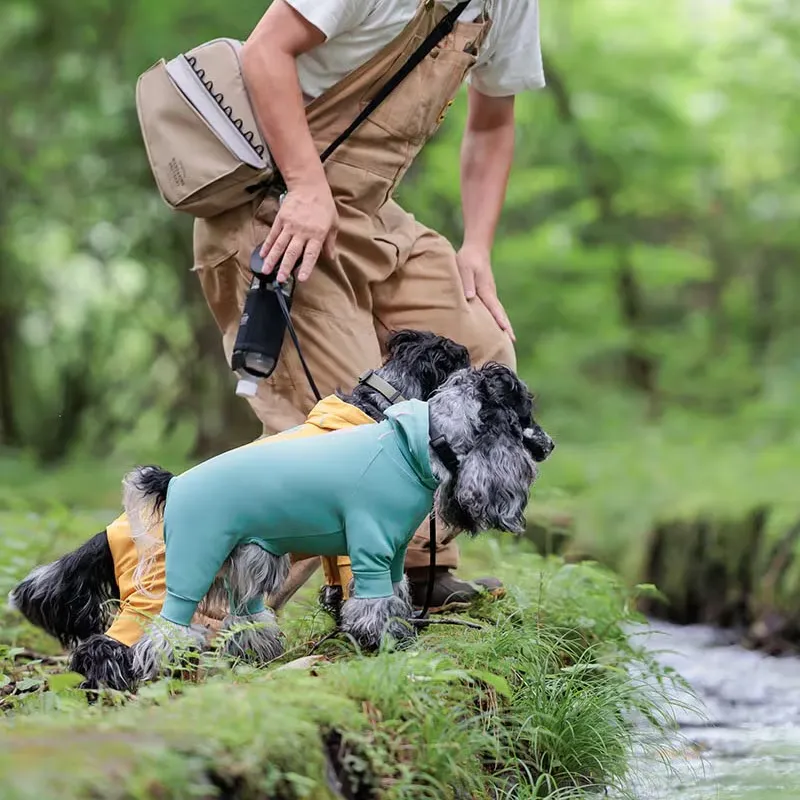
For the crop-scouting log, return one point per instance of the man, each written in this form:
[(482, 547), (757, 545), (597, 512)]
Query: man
[(364, 265)]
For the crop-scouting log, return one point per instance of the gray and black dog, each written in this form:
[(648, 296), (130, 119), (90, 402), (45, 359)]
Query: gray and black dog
[(482, 448), (74, 598)]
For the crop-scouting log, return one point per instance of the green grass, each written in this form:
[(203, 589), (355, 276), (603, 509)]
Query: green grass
[(609, 490), (549, 699)]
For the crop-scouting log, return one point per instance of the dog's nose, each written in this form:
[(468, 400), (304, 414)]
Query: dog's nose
[(538, 442)]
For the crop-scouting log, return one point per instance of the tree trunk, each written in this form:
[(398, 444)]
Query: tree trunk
[(9, 318)]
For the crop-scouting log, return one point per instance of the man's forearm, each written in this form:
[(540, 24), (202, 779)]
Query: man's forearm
[(487, 152), (270, 70)]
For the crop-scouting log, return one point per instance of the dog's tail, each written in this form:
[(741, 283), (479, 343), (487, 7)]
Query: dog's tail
[(72, 598), (144, 495)]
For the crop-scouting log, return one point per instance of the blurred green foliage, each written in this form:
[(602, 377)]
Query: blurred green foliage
[(647, 255)]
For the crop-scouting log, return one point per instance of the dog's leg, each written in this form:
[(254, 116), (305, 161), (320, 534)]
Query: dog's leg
[(338, 575), (105, 663), (299, 574), (72, 598), (161, 648), (250, 630), (403, 591), (215, 604), (370, 620)]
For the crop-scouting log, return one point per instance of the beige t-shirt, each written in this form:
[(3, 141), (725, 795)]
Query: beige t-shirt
[(509, 62)]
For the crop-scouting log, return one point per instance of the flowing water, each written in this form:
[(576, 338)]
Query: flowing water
[(742, 739)]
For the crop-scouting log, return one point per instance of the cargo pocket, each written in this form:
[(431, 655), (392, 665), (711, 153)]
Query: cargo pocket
[(222, 247), (223, 286)]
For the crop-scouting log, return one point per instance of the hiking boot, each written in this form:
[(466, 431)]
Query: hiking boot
[(449, 592)]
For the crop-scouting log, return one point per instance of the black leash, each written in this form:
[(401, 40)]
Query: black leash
[(290, 327), (440, 30), (431, 568)]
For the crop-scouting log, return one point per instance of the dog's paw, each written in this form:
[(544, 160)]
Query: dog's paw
[(105, 663), (167, 648), (371, 621), (254, 638)]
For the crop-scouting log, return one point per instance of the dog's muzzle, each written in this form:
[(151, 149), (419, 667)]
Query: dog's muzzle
[(538, 443)]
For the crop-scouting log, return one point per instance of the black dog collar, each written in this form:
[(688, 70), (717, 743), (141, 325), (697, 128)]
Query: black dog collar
[(443, 450), (382, 387)]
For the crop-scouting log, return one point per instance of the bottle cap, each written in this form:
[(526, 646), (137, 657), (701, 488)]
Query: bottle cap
[(246, 387)]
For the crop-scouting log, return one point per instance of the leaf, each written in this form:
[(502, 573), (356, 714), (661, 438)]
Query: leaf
[(648, 590), (64, 681), (26, 684), (496, 682), (4, 680)]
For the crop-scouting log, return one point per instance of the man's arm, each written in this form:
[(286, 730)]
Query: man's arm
[(307, 220), (487, 151)]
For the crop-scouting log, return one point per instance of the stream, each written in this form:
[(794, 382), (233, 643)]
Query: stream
[(741, 733)]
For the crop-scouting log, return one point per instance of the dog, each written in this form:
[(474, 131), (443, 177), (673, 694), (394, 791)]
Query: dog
[(229, 524), (74, 598)]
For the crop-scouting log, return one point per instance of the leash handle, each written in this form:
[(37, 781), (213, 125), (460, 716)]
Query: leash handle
[(288, 318)]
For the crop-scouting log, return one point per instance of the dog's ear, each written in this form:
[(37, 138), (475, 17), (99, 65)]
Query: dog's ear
[(495, 477), (398, 341), (443, 357), (430, 358), (502, 388)]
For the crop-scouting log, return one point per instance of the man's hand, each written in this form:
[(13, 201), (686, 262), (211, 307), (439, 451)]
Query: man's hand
[(306, 223), (475, 268), (305, 226)]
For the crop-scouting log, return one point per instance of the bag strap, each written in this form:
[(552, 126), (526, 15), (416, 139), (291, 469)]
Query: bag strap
[(445, 26)]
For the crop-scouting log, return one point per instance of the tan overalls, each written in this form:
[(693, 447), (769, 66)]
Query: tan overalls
[(390, 272)]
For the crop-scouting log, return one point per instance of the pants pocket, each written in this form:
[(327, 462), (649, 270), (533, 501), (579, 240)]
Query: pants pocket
[(224, 286)]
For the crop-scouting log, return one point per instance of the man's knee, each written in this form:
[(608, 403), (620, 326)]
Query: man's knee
[(491, 344)]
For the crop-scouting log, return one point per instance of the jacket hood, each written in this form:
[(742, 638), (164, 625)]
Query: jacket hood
[(333, 414), (409, 420)]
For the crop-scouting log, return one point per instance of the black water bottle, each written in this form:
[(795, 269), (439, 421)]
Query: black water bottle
[(261, 329)]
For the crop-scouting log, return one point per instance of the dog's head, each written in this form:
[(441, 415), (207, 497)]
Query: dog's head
[(419, 362), (486, 416)]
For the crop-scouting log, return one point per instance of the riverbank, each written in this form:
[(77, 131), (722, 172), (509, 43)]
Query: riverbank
[(545, 700), (713, 521)]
